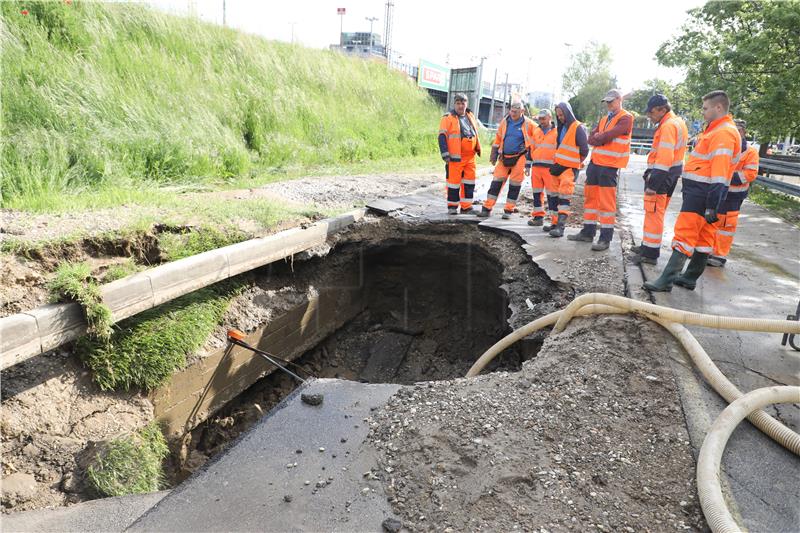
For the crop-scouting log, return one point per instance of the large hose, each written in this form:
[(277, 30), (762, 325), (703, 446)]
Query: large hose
[(714, 508), (708, 462)]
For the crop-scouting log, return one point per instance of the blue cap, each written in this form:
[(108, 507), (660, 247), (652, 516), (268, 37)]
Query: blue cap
[(657, 100)]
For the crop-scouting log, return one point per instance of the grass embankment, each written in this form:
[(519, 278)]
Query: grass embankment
[(103, 104)]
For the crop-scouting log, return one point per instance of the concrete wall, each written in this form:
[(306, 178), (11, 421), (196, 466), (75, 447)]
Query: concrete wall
[(207, 385)]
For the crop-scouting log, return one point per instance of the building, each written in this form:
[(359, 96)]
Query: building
[(361, 44)]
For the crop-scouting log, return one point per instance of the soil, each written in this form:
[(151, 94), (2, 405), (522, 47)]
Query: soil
[(588, 436)]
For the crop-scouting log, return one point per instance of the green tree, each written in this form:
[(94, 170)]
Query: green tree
[(684, 103), (587, 80), (749, 48)]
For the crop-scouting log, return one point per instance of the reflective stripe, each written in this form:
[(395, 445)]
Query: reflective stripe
[(498, 180), (712, 155), (651, 245), (728, 233), (652, 235), (739, 188), (664, 145), (590, 222), (537, 190), (468, 182), (548, 161), (704, 249), (607, 213), (455, 158), (570, 148), (445, 154), (562, 156), (442, 131), (454, 136), (677, 163), (453, 186), (606, 226), (751, 167), (703, 179), (683, 245), (661, 167), (591, 211), (612, 154), (620, 140), (544, 145), (491, 197)]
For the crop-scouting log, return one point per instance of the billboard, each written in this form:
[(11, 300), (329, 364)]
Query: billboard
[(433, 76)]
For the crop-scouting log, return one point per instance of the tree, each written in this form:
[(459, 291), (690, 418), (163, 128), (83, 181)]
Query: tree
[(587, 80), (750, 49), (683, 102)]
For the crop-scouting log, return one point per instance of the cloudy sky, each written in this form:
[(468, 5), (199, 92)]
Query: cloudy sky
[(527, 39)]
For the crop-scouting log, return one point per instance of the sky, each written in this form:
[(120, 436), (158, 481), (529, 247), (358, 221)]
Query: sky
[(529, 40)]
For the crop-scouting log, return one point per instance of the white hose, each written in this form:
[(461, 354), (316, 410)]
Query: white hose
[(708, 484)]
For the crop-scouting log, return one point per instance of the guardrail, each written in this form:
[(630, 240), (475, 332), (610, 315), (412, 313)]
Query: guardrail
[(775, 166), (780, 186)]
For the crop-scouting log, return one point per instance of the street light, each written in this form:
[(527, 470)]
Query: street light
[(371, 40)]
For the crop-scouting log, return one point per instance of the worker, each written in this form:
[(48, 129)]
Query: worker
[(573, 147), (545, 137), (459, 144), (745, 173), (664, 167), (511, 156), (706, 177), (611, 140)]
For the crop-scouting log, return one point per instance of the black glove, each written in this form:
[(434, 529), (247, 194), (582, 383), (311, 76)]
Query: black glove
[(646, 174), (478, 152), (557, 170), (446, 158), (710, 215)]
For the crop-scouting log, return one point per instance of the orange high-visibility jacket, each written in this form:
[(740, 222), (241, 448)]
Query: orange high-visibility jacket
[(544, 146), (451, 129), (568, 154), (669, 145), (527, 133), (710, 166), (746, 170), (616, 152)]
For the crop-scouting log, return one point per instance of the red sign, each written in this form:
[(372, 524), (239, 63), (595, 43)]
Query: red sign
[(433, 76), (341, 11)]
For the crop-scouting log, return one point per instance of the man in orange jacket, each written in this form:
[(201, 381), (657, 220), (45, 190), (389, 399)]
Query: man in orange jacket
[(511, 156), (664, 167), (745, 173), (458, 146), (611, 140), (706, 177), (572, 149), (545, 140)]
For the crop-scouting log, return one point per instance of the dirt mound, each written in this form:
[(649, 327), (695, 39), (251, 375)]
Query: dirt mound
[(589, 435)]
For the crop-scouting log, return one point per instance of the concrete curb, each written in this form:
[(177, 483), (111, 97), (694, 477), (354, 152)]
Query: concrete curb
[(25, 335)]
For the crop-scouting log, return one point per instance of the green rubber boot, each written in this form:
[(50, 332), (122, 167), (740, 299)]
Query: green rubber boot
[(671, 271), (688, 280)]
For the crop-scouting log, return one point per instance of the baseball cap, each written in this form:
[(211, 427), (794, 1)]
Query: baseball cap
[(544, 113), (613, 94), (740, 123), (657, 100)]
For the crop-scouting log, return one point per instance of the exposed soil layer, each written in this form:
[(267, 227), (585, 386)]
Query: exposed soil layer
[(589, 436)]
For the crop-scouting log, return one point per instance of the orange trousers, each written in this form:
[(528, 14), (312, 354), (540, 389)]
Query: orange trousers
[(541, 183), (600, 201), (461, 177), (693, 234), (655, 206), (501, 174), (726, 229)]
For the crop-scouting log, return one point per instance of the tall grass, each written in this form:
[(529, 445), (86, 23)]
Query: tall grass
[(99, 96)]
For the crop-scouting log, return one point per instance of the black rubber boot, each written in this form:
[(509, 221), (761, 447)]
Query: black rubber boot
[(558, 230), (452, 210), (642, 259), (636, 250), (667, 277), (714, 261), (581, 237), (688, 280), (536, 221)]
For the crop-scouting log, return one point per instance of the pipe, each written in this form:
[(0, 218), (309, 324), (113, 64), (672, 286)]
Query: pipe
[(709, 488), (676, 315)]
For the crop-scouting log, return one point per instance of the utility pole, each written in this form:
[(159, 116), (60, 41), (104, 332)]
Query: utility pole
[(494, 91), (479, 94), (371, 40), (224, 14), (387, 33), (341, 12), (292, 24), (505, 95)]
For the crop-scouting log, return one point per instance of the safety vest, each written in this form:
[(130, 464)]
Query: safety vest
[(715, 155), (568, 154), (616, 152), (544, 148), (746, 170), (451, 128), (669, 145), (527, 133)]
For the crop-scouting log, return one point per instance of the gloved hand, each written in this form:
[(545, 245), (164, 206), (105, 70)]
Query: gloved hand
[(493, 160), (710, 215), (557, 170), (446, 158), (646, 174), (527, 168), (478, 152)]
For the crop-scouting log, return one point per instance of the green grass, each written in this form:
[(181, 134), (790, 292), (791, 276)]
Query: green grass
[(146, 349), (121, 270), (108, 102), (785, 206), (131, 464), (74, 282)]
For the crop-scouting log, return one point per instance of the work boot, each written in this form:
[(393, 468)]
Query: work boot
[(641, 259), (599, 246), (580, 236), (547, 227), (558, 230), (536, 221), (506, 215), (688, 280), (715, 261), (485, 212), (668, 275), (452, 210), (636, 250), (467, 211)]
